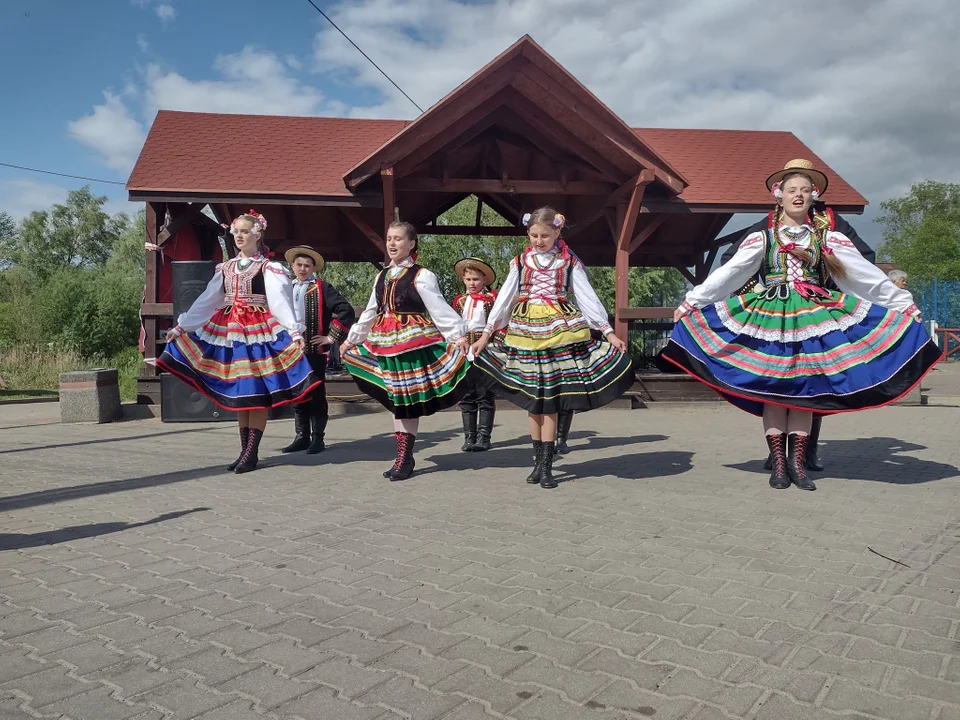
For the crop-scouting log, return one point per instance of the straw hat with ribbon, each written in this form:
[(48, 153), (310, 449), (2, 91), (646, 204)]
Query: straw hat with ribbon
[(489, 276), (800, 166), (291, 254)]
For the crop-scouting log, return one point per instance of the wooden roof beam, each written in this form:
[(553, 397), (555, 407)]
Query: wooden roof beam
[(509, 186), (354, 216), (649, 227)]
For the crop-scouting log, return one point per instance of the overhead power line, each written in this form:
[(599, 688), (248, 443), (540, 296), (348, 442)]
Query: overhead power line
[(327, 18), (59, 174)]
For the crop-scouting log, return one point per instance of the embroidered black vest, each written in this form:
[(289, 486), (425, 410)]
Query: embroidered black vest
[(400, 296)]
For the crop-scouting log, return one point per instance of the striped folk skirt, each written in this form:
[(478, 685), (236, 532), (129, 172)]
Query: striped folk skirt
[(547, 362), (830, 354), (415, 375), (242, 359)]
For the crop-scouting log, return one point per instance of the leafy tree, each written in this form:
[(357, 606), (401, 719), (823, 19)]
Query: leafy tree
[(75, 233), (922, 231)]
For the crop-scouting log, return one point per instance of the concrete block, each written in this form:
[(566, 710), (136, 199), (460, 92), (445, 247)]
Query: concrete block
[(89, 396)]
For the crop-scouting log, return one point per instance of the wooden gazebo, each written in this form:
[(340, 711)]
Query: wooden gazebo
[(522, 132)]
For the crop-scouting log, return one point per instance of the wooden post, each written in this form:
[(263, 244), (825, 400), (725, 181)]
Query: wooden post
[(390, 210), (150, 291), (626, 222), (622, 281)]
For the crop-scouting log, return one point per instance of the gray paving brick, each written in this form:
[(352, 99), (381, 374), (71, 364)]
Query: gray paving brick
[(183, 699), (95, 705), (47, 686)]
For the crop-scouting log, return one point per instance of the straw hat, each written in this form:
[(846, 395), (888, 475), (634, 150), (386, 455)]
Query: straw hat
[(292, 253), (803, 166), (489, 276)]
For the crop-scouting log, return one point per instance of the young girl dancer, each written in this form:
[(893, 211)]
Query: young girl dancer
[(408, 348), (546, 361), (796, 347), (239, 343)]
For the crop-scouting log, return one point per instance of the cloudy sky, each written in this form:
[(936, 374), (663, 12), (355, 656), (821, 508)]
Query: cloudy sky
[(868, 84)]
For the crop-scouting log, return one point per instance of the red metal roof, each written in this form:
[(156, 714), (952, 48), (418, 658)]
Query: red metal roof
[(730, 166), (255, 154), (273, 155)]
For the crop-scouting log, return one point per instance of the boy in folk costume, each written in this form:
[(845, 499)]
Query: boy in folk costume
[(327, 316), (478, 405)]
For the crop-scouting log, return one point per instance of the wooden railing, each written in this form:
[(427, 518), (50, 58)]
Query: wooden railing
[(949, 342)]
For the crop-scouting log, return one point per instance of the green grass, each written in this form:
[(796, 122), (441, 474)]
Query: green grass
[(30, 372)]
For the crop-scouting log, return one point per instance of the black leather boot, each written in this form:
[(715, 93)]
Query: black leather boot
[(564, 420), (534, 477), (318, 427), (250, 456), (779, 480), (813, 458), (404, 465), (301, 423), (469, 430), (244, 436), (485, 429), (546, 467), (796, 461)]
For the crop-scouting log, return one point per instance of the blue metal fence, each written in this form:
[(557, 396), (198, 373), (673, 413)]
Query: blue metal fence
[(940, 301)]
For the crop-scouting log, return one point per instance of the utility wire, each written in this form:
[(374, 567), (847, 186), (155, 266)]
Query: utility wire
[(327, 18), (50, 172)]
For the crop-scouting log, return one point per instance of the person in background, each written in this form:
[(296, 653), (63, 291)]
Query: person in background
[(327, 316), (898, 278), (479, 405)]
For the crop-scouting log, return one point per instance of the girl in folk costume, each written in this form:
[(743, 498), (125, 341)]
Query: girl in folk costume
[(546, 361), (327, 316), (796, 347), (408, 348), (240, 344), (479, 403)]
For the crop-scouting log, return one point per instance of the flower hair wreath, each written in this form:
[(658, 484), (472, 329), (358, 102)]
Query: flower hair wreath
[(259, 225), (558, 220), (777, 192)]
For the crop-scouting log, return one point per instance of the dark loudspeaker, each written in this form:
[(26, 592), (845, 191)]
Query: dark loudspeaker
[(181, 403), (190, 278)]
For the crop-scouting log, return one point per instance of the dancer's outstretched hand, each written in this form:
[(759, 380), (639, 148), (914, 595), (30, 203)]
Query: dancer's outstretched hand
[(170, 336), (616, 342)]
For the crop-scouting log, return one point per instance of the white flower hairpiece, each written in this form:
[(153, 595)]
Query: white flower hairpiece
[(816, 193), (777, 192), (558, 220)]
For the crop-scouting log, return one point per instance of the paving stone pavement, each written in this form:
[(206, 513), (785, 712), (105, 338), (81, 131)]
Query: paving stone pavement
[(663, 579)]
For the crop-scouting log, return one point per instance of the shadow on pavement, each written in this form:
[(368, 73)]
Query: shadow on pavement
[(75, 492), (79, 443), (19, 541)]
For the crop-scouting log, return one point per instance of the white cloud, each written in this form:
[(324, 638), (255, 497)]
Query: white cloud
[(251, 81), (112, 131), (165, 12), (21, 196), (867, 86)]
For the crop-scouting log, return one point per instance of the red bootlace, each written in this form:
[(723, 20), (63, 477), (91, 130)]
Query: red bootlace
[(779, 455)]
